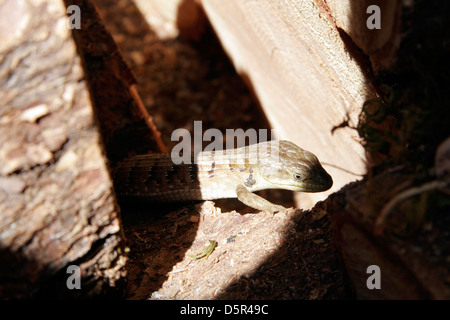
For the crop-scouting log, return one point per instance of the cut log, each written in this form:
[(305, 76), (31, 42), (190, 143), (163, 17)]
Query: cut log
[(293, 57), (57, 207), (412, 264)]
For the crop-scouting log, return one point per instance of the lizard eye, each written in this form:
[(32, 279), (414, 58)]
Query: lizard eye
[(297, 176)]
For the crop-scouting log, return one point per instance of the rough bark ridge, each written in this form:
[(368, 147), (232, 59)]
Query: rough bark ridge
[(56, 201)]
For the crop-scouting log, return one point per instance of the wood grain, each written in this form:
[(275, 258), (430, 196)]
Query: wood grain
[(293, 57)]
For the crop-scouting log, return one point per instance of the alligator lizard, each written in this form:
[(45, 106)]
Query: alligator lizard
[(227, 173)]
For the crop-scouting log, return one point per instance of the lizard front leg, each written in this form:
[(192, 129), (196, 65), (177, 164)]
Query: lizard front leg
[(254, 201)]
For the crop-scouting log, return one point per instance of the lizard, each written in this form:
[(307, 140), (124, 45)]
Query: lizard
[(230, 173)]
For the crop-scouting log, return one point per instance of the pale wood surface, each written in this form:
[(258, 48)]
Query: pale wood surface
[(291, 53), (379, 44)]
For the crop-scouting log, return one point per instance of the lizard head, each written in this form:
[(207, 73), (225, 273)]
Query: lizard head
[(294, 168)]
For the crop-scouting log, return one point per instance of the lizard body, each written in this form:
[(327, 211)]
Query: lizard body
[(224, 174)]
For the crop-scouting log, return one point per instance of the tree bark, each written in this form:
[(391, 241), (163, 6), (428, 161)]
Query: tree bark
[(57, 206)]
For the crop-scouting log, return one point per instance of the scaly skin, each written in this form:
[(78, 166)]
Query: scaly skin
[(224, 174)]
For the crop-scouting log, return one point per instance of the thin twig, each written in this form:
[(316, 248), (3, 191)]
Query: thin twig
[(342, 169), (148, 119), (381, 219)]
